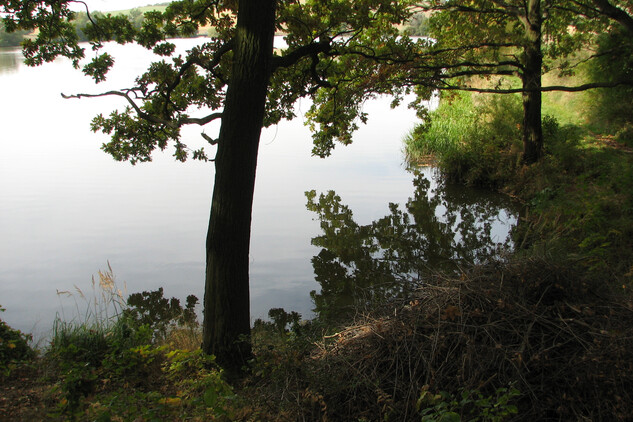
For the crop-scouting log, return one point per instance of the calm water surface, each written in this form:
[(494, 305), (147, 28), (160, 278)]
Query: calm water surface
[(67, 208)]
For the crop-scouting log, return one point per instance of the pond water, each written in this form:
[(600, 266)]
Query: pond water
[(68, 209)]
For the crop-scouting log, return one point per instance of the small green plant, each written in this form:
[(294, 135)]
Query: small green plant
[(78, 381), (159, 313), (179, 382), (14, 347), (134, 364), (199, 379), (467, 405)]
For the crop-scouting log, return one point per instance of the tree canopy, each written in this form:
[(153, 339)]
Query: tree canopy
[(336, 54)]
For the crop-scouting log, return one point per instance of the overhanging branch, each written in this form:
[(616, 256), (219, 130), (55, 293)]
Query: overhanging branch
[(151, 118), (578, 88), (615, 13), (309, 50), (125, 95), (200, 121)]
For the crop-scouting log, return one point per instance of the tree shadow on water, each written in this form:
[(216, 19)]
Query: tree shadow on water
[(442, 227)]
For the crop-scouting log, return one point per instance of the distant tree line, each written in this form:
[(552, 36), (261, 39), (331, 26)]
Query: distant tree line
[(11, 39), (418, 25)]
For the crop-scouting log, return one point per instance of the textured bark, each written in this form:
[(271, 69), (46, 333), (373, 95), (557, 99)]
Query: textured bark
[(226, 300), (619, 15), (531, 78)]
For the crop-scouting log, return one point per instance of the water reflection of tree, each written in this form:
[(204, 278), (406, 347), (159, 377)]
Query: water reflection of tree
[(443, 228)]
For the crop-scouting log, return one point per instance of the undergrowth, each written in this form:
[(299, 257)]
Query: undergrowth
[(113, 362), (517, 339), (511, 340), (14, 347)]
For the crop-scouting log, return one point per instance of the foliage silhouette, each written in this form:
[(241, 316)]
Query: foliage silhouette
[(442, 228)]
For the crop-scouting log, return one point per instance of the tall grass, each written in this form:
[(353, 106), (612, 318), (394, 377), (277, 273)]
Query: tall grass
[(105, 305), (472, 137), (105, 321), (446, 129), (132, 359), (88, 335)]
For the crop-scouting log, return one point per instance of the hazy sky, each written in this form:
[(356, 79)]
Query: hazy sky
[(106, 5)]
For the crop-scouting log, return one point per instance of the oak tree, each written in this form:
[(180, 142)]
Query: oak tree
[(338, 53), (518, 38)]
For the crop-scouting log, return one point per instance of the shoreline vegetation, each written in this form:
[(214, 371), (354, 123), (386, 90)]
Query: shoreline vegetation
[(527, 338), (542, 333)]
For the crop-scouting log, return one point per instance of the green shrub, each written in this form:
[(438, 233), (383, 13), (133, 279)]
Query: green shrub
[(467, 405), (164, 385), (159, 313), (562, 143), (14, 347), (625, 135), (612, 108)]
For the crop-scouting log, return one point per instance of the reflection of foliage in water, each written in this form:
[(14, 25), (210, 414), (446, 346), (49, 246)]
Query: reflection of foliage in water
[(443, 228)]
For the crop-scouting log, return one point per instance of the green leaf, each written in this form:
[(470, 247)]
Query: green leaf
[(210, 397), (450, 417)]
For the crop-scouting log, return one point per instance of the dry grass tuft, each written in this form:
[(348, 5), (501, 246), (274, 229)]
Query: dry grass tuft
[(105, 304), (183, 338)]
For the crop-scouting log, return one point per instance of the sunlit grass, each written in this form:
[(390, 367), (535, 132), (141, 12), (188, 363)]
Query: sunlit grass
[(184, 338), (569, 108), (446, 130)]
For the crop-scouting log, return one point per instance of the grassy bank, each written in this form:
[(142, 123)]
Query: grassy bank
[(578, 198)]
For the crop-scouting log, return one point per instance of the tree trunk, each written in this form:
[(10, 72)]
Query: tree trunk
[(531, 78), (226, 327)]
